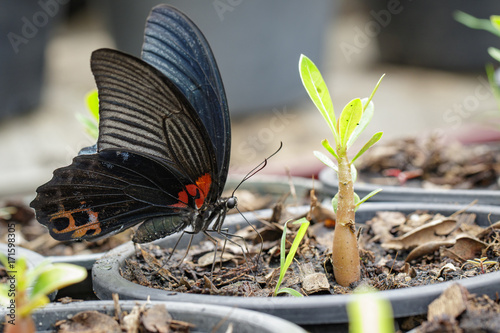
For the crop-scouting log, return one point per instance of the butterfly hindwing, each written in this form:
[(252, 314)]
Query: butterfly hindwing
[(174, 45), (110, 191)]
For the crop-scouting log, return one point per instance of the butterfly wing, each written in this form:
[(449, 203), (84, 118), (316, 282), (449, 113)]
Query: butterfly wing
[(174, 45), (106, 193), (154, 157)]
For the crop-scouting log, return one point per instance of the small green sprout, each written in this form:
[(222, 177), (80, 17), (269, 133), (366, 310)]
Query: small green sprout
[(481, 263), (285, 263), (91, 124), (27, 289), (352, 121), (369, 313)]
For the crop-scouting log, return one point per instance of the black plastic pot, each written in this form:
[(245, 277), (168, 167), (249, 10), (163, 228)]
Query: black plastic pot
[(315, 313), (328, 179), (204, 316)]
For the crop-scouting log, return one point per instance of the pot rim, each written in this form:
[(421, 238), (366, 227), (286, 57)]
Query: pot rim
[(306, 310)]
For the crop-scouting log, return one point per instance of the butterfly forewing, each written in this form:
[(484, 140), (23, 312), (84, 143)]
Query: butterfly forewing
[(142, 111), (174, 45)]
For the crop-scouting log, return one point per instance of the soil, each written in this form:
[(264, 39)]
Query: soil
[(397, 251), (432, 164)]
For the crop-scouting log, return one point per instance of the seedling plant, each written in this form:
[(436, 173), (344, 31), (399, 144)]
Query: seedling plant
[(352, 121), (285, 263), (27, 289)]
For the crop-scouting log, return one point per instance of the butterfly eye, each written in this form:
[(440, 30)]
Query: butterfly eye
[(231, 202)]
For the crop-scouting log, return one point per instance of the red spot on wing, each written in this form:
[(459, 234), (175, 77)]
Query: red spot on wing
[(199, 191), (77, 231)]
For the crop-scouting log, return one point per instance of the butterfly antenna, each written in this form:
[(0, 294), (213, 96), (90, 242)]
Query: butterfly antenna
[(259, 167)]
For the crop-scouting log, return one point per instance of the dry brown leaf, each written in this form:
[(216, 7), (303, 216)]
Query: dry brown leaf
[(208, 258), (89, 322), (451, 303), (434, 231), (313, 282), (428, 248), (156, 319), (382, 224), (485, 231), (465, 248)]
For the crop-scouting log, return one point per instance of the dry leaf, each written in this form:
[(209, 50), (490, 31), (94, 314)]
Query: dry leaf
[(382, 224), (428, 248), (465, 248), (434, 231), (89, 322), (156, 319), (451, 303), (208, 258)]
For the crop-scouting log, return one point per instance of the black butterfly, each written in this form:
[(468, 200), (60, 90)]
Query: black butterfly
[(163, 149)]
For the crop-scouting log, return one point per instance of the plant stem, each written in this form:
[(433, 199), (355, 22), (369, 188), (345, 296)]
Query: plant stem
[(345, 254)]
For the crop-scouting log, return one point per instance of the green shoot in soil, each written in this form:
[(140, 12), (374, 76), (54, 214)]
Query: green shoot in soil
[(285, 263), (352, 121)]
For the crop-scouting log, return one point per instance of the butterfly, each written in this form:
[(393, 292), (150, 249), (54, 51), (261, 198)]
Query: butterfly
[(162, 153)]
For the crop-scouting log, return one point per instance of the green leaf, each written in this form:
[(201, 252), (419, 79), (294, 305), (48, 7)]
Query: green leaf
[(290, 291), (92, 100), (34, 303), (354, 173), (494, 53), (475, 23), (373, 92), (490, 72), (327, 146), (366, 117), (285, 263), (349, 119), (495, 22), (368, 312), (318, 92), (374, 139), (57, 276), (335, 203), (366, 197), (326, 160)]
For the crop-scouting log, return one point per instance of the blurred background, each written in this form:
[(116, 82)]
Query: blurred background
[(435, 80)]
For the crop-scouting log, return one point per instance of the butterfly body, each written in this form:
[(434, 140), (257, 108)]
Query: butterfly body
[(162, 153)]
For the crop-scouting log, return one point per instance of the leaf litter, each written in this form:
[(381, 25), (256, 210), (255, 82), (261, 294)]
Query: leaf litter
[(397, 251), (142, 318), (430, 163)]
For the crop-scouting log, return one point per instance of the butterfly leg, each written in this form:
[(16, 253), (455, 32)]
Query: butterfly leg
[(215, 252), (187, 248)]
